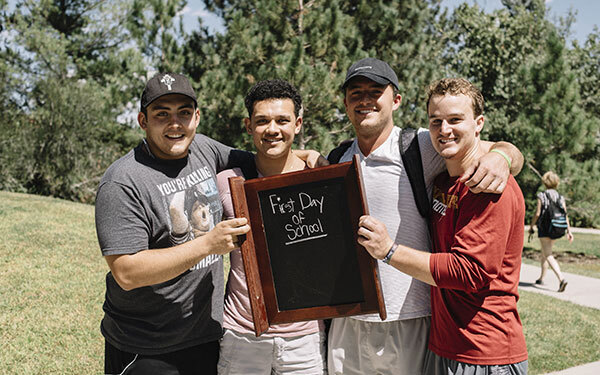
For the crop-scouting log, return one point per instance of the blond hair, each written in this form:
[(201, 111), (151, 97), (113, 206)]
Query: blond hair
[(456, 86), (550, 180)]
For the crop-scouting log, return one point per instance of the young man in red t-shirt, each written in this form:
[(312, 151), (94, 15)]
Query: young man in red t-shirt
[(477, 244)]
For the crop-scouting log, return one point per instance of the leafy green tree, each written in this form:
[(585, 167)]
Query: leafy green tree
[(69, 142), (70, 77), (533, 97), (585, 61), (554, 130), (490, 48)]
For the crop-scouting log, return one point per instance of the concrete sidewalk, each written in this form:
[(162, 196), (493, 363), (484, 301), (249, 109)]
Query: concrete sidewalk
[(581, 290), (587, 369)]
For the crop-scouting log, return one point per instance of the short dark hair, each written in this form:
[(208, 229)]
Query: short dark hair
[(272, 89), (456, 86)]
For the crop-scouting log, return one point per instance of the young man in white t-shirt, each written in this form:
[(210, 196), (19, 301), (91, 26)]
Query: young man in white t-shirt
[(274, 118)]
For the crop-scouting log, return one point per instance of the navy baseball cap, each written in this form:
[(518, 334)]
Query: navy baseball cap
[(165, 84), (373, 69)]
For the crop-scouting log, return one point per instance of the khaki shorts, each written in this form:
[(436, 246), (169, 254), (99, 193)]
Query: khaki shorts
[(359, 347), (247, 354)]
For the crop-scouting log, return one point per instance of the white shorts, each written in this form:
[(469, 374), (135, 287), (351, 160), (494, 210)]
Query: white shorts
[(359, 347), (244, 354)]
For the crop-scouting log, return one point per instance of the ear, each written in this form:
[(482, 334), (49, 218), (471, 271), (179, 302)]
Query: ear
[(298, 125), (248, 125), (142, 121), (479, 121), (197, 111), (397, 101)]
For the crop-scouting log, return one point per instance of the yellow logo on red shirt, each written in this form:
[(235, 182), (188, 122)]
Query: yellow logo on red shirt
[(441, 201)]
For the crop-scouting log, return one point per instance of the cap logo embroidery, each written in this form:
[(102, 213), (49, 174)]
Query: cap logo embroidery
[(363, 67), (168, 81)]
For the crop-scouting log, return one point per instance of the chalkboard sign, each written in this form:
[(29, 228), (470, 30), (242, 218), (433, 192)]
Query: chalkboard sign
[(301, 258)]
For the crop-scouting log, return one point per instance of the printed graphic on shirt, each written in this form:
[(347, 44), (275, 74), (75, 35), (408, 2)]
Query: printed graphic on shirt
[(194, 208), (442, 201)]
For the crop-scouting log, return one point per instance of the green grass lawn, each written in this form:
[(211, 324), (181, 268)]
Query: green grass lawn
[(585, 247), (559, 334), (52, 289)]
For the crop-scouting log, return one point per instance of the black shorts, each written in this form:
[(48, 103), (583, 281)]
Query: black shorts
[(197, 360)]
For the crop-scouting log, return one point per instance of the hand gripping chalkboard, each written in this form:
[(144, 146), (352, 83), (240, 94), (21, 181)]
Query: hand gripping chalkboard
[(301, 257)]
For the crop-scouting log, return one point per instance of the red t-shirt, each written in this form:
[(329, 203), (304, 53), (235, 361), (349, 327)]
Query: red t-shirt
[(477, 245)]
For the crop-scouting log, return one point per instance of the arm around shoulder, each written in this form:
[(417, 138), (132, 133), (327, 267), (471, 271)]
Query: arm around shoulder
[(490, 174), (513, 153)]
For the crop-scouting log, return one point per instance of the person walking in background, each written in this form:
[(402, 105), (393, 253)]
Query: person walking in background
[(552, 223)]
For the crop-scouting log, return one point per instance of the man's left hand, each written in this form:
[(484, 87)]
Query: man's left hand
[(488, 175)]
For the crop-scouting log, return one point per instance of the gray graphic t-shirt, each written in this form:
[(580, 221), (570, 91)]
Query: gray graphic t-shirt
[(146, 203)]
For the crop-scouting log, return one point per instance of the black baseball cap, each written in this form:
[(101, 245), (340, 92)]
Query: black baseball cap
[(373, 69), (165, 84)]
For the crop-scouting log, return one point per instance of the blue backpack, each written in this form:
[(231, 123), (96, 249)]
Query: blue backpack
[(555, 218)]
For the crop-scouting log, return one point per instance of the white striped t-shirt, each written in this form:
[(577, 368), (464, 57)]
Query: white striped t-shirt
[(390, 199)]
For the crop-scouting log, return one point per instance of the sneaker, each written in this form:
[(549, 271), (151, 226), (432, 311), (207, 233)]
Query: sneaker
[(562, 286), (539, 282)]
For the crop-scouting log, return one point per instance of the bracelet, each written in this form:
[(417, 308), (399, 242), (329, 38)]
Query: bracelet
[(504, 156), (388, 256)]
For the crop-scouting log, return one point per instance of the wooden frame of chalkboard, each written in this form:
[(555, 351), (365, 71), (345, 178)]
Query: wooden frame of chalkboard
[(301, 258)]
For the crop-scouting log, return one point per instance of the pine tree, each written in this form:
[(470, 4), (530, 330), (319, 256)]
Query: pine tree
[(152, 24), (311, 44), (404, 34), (554, 131), (302, 44)]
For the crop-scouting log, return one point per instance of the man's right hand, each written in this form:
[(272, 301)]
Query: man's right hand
[(223, 238)]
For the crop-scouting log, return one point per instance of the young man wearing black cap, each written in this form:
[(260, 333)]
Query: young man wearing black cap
[(365, 344), (158, 220)]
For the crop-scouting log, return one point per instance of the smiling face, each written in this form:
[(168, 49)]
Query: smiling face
[(170, 124), (453, 129), (370, 106), (273, 126)]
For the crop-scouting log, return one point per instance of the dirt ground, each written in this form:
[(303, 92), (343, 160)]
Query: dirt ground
[(562, 257)]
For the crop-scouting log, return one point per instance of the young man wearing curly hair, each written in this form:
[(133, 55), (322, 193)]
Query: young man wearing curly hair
[(274, 118)]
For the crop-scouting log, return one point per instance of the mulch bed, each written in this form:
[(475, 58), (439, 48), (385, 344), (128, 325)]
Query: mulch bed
[(563, 256)]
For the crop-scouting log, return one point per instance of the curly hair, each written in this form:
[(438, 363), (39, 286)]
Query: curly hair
[(273, 89), (456, 86)]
